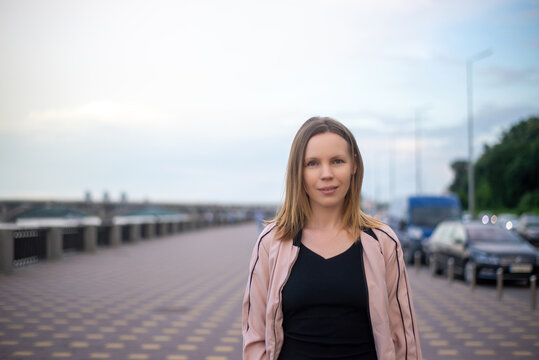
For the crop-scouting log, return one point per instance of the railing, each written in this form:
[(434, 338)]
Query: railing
[(32, 242)]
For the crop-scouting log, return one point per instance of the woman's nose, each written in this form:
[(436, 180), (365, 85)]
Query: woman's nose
[(326, 172)]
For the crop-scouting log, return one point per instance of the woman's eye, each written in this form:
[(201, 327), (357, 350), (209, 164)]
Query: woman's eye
[(338, 161), (311, 163)]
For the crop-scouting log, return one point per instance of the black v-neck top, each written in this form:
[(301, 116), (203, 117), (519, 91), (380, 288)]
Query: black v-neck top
[(325, 308)]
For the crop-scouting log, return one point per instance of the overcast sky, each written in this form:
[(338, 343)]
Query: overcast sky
[(199, 100)]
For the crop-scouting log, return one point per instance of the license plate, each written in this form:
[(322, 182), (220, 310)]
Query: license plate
[(520, 268)]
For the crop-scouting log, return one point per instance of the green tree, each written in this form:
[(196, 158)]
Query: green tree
[(506, 174)]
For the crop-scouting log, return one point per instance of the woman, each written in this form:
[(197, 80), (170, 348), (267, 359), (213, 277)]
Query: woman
[(327, 281)]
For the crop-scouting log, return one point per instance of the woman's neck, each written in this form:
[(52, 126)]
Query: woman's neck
[(325, 219)]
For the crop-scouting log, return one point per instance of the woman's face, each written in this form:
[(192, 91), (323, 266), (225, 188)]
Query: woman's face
[(327, 170)]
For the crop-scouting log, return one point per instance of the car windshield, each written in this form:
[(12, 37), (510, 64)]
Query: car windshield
[(428, 216), (492, 234)]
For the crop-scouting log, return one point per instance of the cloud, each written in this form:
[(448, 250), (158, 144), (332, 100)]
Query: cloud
[(505, 76)]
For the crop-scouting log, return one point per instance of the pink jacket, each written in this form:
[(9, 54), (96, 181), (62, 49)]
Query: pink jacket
[(390, 300)]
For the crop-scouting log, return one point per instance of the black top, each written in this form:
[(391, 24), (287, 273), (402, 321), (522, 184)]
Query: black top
[(325, 308)]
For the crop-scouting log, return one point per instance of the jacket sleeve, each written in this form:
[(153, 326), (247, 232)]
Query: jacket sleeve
[(402, 320), (254, 304)]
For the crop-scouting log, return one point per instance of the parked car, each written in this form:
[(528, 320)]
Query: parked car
[(487, 246), (528, 228), (414, 218)]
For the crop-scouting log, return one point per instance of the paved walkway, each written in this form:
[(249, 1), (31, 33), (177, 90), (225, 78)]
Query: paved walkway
[(179, 298)]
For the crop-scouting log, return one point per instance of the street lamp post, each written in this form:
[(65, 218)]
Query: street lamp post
[(469, 79), (417, 117)]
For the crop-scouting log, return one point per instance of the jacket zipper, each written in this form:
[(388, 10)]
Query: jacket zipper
[(280, 300)]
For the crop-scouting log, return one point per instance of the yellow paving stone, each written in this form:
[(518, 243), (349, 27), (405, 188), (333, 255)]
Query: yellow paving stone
[(223, 348), (208, 324), (150, 346), (161, 338), (438, 343), (28, 334), (236, 325), (19, 314), (216, 358), (76, 328), (115, 345), (485, 330), (496, 336), (60, 321), (522, 353), (455, 329), (230, 339), (484, 352), (464, 336), (451, 352), (196, 338), (23, 353), (170, 331), (176, 357), (179, 323), (15, 326), (46, 315), (78, 344), (128, 337), (149, 323), (43, 344), (430, 336), (94, 336), (529, 336), (473, 343), (61, 354), (534, 323), (61, 336), (233, 332), (119, 323), (32, 321), (45, 328), (138, 356), (74, 316), (203, 331), (107, 329), (99, 356), (90, 322), (139, 330), (187, 347), (4, 320), (508, 343), (517, 330), (8, 342)]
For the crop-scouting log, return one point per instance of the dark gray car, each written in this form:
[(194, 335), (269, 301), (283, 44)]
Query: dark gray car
[(489, 247)]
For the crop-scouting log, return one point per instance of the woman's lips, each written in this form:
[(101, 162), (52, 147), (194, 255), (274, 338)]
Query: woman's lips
[(328, 190)]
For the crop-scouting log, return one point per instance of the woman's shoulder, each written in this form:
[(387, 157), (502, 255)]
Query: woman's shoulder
[(267, 234)]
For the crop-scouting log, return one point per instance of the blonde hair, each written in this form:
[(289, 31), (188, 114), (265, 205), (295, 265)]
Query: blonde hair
[(296, 209)]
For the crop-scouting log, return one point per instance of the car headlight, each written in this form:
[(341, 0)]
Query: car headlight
[(485, 258), (415, 233)]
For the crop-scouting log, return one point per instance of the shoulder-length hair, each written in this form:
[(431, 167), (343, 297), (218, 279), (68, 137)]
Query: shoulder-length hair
[(296, 209)]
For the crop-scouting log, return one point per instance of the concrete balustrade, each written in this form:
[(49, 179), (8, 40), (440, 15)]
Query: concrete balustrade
[(6, 251), (138, 230)]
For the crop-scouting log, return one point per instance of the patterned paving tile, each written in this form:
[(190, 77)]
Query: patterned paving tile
[(179, 298)]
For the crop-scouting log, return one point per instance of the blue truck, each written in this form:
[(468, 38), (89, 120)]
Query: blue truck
[(414, 218)]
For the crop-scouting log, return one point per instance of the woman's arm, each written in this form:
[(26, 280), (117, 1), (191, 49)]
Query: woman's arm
[(401, 310), (254, 304)]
